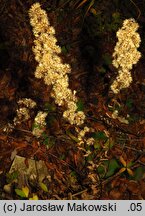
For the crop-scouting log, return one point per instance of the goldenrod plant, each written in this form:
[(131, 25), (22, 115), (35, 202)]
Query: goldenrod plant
[(125, 54), (54, 72), (50, 67)]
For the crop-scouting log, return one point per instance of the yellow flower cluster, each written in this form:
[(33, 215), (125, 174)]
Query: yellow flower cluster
[(39, 124), (82, 139), (115, 115), (126, 54), (23, 114), (50, 67), (23, 111)]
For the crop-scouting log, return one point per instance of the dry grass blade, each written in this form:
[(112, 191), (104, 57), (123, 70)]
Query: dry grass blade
[(82, 3), (89, 7)]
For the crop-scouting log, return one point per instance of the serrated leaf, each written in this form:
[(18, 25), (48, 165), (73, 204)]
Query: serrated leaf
[(26, 191), (20, 193), (43, 186)]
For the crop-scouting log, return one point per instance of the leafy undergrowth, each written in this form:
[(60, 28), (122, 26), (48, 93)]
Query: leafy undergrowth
[(115, 168)]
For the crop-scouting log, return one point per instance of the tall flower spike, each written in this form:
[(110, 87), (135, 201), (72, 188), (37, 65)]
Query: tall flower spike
[(126, 54), (50, 67)]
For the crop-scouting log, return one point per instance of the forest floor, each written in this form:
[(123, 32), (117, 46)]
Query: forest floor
[(86, 33)]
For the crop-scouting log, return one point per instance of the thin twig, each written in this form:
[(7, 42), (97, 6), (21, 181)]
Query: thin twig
[(140, 162), (134, 149), (139, 12), (76, 194)]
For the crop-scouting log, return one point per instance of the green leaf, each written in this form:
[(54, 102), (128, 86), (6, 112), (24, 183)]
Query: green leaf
[(101, 171), (26, 191), (49, 141), (44, 135), (138, 173), (97, 145), (73, 173), (112, 166), (80, 105), (108, 144), (46, 141), (35, 126), (129, 103), (12, 176), (64, 50), (130, 164), (20, 193), (43, 186), (35, 197), (99, 136)]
